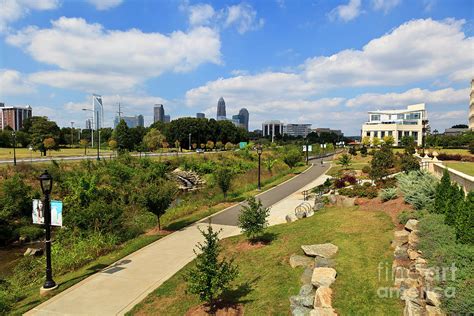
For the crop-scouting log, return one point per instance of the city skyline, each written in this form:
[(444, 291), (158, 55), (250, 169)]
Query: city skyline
[(330, 63)]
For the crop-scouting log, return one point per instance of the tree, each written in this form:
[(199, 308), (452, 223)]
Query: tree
[(363, 151), (443, 192), (229, 146), (157, 196), (49, 143), (382, 161), (165, 144), (84, 143), (203, 146), (41, 128), (352, 151), (366, 141), (219, 145), (210, 145), (253, 218), (211, 276), (408, 142), (388, 140), (292, 157), (194, 146), (409, 162), (123, 137), (345, 161), (153, 139), (375, 141), (464, 223), (113, 144), (269, 163), (223, 177), (177, 145)]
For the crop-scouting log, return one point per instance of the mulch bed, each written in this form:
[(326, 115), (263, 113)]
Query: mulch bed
[(392, 208), (223, 309)]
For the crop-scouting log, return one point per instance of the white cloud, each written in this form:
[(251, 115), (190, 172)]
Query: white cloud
[(105, 4), (13, 83), (346, 12), (244, 17), (86, 52), (414, 51), (385, 5), (201, 14), (442, 97), (13, 10)]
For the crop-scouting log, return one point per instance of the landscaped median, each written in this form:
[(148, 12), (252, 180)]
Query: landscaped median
[(267, 281)]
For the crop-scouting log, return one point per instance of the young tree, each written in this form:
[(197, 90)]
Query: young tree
[(194, 146), (210, 145), (123, 137), (388, 140), (49, 144), (203, 146), (112, 144), (84, 143), (345, 161), (409, 163), (153, 139), (352, 151), (366, 141), (363, 151), (157, 196), (382, 161), (224, 178), (165, 144), (292, 157), (408, 142), (269, 163), (229, 146), (253, 218), (177, 145), (219, 145), (375, 141), (211, 276), (464, 223)]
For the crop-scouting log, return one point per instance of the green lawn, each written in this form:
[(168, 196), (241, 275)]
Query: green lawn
[(464, 167), (335, 170), (266, 280), (7, 153)]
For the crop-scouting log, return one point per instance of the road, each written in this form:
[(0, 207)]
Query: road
[(119, 287)]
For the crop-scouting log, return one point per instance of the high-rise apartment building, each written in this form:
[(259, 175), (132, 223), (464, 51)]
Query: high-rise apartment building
[(412, 121), (131, 121), (13, 116), (471, 107), (98, 108), (158, 113), (244, 118), (221, 115), (167, 119), (297, 130)]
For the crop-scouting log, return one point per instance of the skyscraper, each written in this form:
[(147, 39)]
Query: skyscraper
[(221, 109), (158, 113), (244, 118), (471, 107), (98, 109), (141, 121), (167, 119)]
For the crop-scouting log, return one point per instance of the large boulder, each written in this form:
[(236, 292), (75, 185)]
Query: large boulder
[(434, 311), (321, 250), (37, 252), (323, 297), (307, 289), (413, 308), (307, 275), (401, 238), (320, 311), (323, 277), (300, 261), (401, 253), (300, 310), (433, 298), (413, 239), (302, 300), (412, 225)]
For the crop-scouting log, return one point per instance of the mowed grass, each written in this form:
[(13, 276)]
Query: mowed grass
[(464, 167), (266, 281), (7, 153)]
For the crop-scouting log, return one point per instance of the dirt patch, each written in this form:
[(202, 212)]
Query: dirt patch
[(392, 208), (225, 309), (155, 231), (246, 245)]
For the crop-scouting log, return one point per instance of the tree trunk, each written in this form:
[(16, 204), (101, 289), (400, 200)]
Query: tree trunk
[(159, 223)]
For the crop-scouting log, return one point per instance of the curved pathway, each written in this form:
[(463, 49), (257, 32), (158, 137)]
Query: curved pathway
[(119, 287)]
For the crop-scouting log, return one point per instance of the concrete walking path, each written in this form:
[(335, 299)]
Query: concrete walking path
[(119, 287)]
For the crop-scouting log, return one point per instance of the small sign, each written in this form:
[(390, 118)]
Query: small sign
[(56, 212), (310, 148), (242, 145)]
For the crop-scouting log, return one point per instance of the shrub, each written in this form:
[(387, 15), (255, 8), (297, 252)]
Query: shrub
[(386, 183), (471, 147), (418, 188), (382, 161), (464, 222), (366, 169), (409, 163), (367, 191), (223, 177), (345, 161), (388, 194), (30, 232), (211, 276), (352, 151), (292, 157), (363, 151), (444, 156), (253, 218)]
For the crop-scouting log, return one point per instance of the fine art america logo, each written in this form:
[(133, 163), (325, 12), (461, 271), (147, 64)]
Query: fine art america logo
[(403, 278)]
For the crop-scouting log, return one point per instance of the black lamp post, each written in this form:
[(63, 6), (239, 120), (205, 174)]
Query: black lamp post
[(14, 147), (46, 181), (307, 153), (98, 145), (259, 152)]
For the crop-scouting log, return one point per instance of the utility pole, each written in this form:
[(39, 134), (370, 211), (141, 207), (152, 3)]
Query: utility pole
[(119, 112), (189, 141)]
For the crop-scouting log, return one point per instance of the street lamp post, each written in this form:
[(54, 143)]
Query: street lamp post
[(189, 141), (259, 152), (98, 145), (14, 147), (46, 181), (307, 153)]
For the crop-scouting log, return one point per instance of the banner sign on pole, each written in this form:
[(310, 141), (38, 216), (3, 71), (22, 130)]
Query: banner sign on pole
[(310, 148), (56, 212)]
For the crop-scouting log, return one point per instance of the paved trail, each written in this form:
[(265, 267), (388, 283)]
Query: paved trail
[(116, 289)]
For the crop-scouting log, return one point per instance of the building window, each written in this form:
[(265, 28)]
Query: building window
[(375, 117), (407, 134), (367, 134), (382, 134), (400, 135), (413, 116), (400, 117), (390, 133), (415, 135), (376, 134)]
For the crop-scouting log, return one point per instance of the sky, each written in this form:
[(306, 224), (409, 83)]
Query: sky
[(323, 62)]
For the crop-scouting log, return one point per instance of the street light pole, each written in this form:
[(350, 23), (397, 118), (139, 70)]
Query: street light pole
[(14, 147), (189, 141), (259, 152), (98, 145), (307, 153), (46, 181)]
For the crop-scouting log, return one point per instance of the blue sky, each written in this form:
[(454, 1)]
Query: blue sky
[(321, 62)]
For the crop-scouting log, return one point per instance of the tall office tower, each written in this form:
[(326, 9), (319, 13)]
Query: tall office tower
[(141, 121), (13, 116), (88, 124), (98, 109), (471, 107), (221, 116), (200, 115), (167, 119), (244, 118), (158, 113)]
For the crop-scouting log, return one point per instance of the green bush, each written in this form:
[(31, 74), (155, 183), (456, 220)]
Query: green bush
[(388, 194), (409, 163), (292, 157), (366, 169), (367, 191), (405, 215), (418, 188), (30, 232)]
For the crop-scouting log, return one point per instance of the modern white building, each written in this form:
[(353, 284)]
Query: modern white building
[(98, 109), (272, 128), (412, 121), (297, 130)]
